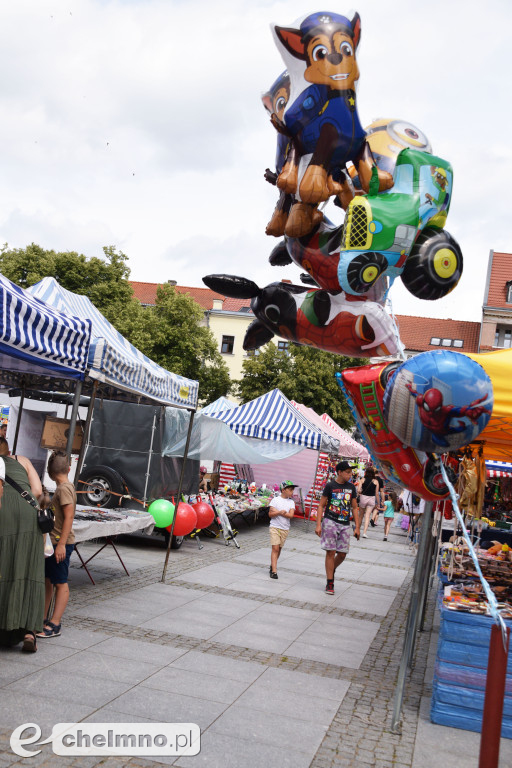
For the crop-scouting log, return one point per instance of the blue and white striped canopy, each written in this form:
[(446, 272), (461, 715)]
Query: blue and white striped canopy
[(112, 359), (35, 338), (272, 417), (221, 404)]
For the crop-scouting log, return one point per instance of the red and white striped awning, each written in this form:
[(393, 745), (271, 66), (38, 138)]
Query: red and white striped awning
[(498, 468)]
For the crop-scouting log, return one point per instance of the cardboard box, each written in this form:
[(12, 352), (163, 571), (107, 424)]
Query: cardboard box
[(55, 435)]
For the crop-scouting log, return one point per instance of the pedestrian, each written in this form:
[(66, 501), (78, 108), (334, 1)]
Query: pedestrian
[(391, 506), (380, 505), (63, 541), (337, 504), (21, 554), (281, 511), (368, 498), (3, 430)]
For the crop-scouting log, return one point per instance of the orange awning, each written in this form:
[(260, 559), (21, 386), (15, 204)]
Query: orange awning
[(497, 436)]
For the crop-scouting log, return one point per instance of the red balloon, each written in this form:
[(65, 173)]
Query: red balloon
[(205, 514), (186, 520)]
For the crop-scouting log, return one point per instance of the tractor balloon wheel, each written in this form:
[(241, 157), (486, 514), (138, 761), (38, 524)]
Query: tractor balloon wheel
[(364, 270), (435, 265)]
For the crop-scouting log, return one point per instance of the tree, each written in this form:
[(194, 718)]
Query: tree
[(304, 374), (103, 281), (170, 334)]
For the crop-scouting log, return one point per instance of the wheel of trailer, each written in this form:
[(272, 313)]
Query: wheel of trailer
[(364, 270), (435, 265), (100, 486)]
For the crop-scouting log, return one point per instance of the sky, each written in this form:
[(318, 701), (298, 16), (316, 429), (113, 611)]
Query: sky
[(139, 124)]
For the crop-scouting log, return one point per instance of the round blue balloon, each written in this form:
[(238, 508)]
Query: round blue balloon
[(438, 401)]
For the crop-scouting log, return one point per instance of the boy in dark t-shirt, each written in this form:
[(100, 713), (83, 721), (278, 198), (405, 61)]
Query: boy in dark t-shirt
[(338, 503)]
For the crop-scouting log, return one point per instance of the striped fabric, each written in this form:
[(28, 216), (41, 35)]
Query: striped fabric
[(498, 468), (272, 417), (221, 404), (40, 336), (227, 474), (350, 448), (112, 359)]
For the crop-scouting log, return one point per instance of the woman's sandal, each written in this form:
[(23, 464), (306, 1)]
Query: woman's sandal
[(29, 643)]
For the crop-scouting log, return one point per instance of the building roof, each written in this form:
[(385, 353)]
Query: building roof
[(500, 273), (417, 332), (146, 294)]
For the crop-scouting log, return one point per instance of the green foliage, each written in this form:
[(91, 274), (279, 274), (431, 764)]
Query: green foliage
[(104, 281), (168, 333), (306, 375)]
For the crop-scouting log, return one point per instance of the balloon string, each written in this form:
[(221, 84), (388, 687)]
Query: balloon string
[(491, 599), (389, 306)]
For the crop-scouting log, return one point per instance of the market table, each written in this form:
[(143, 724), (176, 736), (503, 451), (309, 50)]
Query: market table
[(98, 523)]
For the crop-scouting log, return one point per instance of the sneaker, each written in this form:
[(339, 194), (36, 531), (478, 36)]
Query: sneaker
[(385, 538), (50, 630), (273, 575), (372, 524), (329, 587), (365, 536)]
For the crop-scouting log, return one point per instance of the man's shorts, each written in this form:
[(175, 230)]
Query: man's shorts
[(335, 536), (56, 572), (278, 536)]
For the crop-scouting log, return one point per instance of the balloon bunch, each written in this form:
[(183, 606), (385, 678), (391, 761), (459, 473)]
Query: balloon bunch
[(189, 517), (396, 196)]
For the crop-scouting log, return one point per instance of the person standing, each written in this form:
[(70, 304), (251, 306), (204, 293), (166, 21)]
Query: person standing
[(337, 504), (281, 511), (382, 498), (21, 555), (368, 498), (391, 506), (63, 540)]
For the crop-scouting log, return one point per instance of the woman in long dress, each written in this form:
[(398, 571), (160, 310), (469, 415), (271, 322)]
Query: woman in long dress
[(21, 557)]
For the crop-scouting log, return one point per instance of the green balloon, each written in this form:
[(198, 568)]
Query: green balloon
[(162, 511)]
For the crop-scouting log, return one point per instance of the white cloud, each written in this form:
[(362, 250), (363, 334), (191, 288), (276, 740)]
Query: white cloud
[(138, 123)]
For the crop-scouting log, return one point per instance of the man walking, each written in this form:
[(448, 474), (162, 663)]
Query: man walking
[(339, 500), (281, 511)]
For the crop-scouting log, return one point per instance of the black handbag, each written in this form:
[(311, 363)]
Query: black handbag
[(45, 517)]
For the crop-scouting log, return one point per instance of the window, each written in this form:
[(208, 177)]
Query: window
[(228, 342), (458, 343), (253, 352), (283, 346), (503, 337), (509, 292), (435, 341), (446, 342)]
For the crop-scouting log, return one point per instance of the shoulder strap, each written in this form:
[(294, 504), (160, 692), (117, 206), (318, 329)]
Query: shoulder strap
[(22, 493)]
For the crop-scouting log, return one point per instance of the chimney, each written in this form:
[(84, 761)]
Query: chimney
[(172, 282), (286, 281), (217, 303)]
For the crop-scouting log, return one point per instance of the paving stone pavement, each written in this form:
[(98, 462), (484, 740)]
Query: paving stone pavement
[(270, 678)]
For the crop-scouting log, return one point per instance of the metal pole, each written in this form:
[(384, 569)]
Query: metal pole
[(72, 421), (18, 421), (87, 430), (494, 697), (410, 629), (178, 495), (423, 554), (150, 454)]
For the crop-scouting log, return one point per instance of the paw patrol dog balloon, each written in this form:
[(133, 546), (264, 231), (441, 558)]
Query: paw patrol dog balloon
[(438, 401), (321, 116)]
